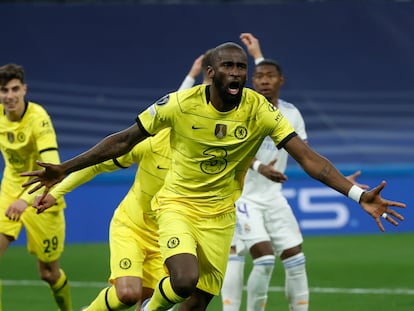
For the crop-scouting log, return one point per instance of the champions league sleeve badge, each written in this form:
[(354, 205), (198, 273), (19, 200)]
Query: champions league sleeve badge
[(163, 100)]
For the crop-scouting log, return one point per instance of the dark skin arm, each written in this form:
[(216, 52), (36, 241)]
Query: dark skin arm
[(322, 169), (110, 147)]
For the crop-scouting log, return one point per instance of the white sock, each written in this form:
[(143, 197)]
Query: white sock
[(258, 283), (232, 289), (296, 283)]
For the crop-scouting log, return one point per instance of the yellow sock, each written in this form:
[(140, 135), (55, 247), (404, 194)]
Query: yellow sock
[(106, 300), (165, 299), (61, 293)]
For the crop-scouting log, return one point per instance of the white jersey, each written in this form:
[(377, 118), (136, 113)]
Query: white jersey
[(268, 152)]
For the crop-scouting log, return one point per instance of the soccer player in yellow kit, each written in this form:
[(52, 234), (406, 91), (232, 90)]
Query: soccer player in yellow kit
[(216, 131), (136, 262), (27, 134)]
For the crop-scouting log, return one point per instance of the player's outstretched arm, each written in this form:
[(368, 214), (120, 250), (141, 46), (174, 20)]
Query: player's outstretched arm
[(323, 170), (110, 147)]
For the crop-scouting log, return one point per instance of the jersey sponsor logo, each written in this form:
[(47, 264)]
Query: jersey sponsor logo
[(240, 132), (173, 242), (125, 263), (216, 163), (163, 100), (162, 168), (220, 131), (14, 158)]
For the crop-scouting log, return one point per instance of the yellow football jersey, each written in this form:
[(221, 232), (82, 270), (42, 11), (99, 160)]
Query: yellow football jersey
[(211, 150), (22, 143)]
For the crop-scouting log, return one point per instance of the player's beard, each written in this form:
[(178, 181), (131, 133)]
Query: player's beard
[(227, 98)]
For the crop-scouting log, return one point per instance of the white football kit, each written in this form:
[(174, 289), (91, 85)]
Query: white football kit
[(263, 213)]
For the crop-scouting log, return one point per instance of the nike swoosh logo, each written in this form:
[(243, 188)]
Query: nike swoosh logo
[(197, 127), (162, 168)]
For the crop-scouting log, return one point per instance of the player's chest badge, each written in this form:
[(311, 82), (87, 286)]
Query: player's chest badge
[(220, 131)]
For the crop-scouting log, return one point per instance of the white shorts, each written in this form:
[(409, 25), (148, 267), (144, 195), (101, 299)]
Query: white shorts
[(273, 222)]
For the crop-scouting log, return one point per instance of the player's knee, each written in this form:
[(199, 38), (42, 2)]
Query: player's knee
[(49, 276), (185, 284), (287, 253), (128, 295)]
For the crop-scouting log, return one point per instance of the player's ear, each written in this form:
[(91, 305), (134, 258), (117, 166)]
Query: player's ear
[(282, 80), (210, 72)]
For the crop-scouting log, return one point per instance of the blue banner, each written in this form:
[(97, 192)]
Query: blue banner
[(323, 211), (319, 210)]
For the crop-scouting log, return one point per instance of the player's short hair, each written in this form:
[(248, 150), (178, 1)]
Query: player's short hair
[(207, 60), (9, 72), (271, 62), (227, 45)]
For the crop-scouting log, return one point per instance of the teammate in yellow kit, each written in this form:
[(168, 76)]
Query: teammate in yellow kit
[(136, 263), (27, 134)]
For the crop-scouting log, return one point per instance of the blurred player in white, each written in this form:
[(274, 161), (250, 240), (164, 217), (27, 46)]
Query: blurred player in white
[(199, 66), (266, 225)]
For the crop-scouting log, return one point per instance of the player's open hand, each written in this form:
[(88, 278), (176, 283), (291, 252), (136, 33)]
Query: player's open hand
[(269, 172), (50, 176), (378, 207), (252, 44), (352, 178), (42, 202)]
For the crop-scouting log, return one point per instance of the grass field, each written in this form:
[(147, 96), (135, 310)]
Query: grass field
[(358, 273)]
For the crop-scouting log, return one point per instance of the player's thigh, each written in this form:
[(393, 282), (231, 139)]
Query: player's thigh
[(282, 226), (45, 233), (176, 234), (153, 267), (9, 228), (250, 223), (214, 237), (127, 248)]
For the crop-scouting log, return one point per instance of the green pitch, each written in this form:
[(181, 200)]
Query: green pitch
[(358, 273)]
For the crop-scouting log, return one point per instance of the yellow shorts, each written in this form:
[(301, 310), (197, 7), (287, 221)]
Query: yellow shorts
[(134, 249), (209, 239), (45, 232)]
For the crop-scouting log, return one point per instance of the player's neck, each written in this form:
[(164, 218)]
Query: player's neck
[(17, 114)]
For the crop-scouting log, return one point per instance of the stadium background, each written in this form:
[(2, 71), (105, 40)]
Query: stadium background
[(348, 64)]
